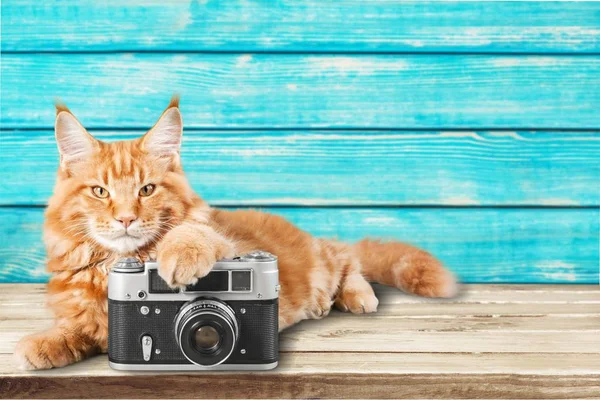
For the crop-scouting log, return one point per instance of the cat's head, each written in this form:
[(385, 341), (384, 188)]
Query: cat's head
[(123, 195)]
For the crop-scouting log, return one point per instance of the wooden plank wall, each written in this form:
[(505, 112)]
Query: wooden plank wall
[(471, 129)]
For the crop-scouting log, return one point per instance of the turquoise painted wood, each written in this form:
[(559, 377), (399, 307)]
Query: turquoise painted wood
[(484, 245), (306, 91), (367, 168), (392, 112), (314, 26)]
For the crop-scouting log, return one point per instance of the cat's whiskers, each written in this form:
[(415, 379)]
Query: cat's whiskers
[(77, 228)]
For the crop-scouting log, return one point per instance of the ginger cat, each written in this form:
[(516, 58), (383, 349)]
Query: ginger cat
[(132, 198)]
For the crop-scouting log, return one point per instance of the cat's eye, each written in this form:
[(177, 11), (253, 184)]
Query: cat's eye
[(100, 192), (147, 190)]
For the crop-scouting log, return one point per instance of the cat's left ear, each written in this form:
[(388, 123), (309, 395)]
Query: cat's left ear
[(164, 139)]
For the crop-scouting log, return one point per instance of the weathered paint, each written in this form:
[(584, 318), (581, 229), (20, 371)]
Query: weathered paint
[(480, 245), (305, 91), (301, 26), (367, 168), (490, 106)]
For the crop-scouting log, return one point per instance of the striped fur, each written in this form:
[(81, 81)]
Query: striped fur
[(87, 229)]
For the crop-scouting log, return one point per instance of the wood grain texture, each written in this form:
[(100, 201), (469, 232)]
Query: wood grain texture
[(392, 329), (369, 168), (295, 363), (305, 91), (310, 385), (357, 364), (388, 334), (307, 26), (480, 245), (474, 301), (480, 294)]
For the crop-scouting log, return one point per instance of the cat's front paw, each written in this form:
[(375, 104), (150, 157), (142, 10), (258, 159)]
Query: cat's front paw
[(185, 257), (356, 296), (45, 350), (320, 306), (182, 264)]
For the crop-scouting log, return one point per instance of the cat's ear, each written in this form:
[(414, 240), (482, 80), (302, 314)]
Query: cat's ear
[(164, 139), (74, 142)]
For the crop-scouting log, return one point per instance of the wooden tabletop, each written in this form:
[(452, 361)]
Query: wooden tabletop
[(493, 341)]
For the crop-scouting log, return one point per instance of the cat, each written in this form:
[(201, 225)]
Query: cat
[(132, 198)]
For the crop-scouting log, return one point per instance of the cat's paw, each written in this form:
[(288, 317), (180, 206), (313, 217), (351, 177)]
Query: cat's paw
[(357, 302), (182, 264), (44, 350), (184, 258), (357, 296), (320, 307)]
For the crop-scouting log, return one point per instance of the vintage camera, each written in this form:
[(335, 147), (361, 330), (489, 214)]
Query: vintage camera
[(228, 320)]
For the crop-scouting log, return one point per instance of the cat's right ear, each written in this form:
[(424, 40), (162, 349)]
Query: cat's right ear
[(74, 142)]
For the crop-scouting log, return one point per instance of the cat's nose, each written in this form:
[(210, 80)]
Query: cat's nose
[(126, 220)]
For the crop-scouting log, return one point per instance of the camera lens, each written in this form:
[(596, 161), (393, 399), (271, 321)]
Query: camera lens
[(207, 338), (206, 331)]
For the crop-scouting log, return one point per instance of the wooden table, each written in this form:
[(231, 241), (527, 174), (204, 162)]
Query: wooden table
[(493, 341)]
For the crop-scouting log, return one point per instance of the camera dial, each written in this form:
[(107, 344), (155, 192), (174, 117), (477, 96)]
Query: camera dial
[(259, 255), (128, 265)]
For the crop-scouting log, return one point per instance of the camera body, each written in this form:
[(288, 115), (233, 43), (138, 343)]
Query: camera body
[(228, 320)]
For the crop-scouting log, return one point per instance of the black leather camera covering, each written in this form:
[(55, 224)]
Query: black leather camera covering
[(258, 332)]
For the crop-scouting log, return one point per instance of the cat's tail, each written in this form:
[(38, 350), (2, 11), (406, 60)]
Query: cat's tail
[(406, 267)]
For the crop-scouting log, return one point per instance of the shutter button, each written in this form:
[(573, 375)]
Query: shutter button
[(146, 347)]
